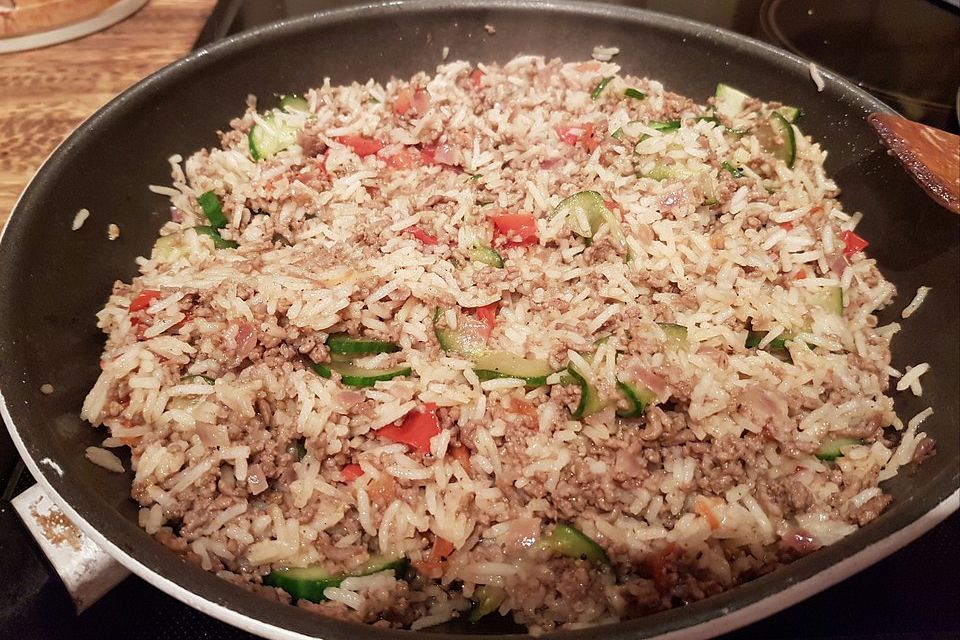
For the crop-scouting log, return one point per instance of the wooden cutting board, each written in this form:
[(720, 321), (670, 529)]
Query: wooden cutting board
[(47, 92), (20, 17)]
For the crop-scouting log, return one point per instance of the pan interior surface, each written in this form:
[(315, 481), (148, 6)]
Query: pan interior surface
[(53, 280)]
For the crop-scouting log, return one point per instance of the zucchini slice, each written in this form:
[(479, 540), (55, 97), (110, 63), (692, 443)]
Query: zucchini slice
[(566, 540), (778, 138), (342, 344), (729, 101), (486, 599), (631, 129), (486, 255), (354, 376), (269, 137), (831, 449), (676, 334), (460, 341), (218, 241), (212, 209), (309, 583), (829, 299), (590, 399), (501, 364), (586, 212), (638, 398), (294, 103)]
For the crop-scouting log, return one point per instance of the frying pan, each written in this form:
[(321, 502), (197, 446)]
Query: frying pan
[(53, 280)]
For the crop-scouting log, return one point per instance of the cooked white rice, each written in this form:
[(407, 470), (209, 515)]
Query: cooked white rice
[(367, 221)]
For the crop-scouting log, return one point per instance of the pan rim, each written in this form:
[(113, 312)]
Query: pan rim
[(935, 507)]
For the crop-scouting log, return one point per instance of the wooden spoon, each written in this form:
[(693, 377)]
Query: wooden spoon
[(930, 155)]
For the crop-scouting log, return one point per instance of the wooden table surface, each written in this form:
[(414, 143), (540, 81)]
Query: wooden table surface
[(47, 92)]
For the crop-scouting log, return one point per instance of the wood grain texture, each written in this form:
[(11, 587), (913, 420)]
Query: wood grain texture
[(47, 92)]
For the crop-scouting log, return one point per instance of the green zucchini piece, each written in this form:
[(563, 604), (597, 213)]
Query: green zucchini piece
[(790, 114), (341, 343), (633, 93), (486, 255), (219, 242), (676, 334), (661, 172), (638, 398), (212, 209), (464, 343), (309, 583), (629, 130), (597, 90), (197, 379), (354, 376), (590, 400), (729, 101), (589, 207), (830, 449), (664, 126), (565, 540), (829, 299), (270, 137), (778, 138), (754, 338), (486, 599), (735, 172), (294, 103), (501, 364)]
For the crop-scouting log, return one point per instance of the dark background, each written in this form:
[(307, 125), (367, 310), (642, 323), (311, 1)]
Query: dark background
[(907, 52)]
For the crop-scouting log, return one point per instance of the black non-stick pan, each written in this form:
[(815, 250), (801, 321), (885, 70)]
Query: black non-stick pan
[(53, 280)]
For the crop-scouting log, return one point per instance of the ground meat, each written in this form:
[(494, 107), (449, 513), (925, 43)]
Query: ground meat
[(871, 509)]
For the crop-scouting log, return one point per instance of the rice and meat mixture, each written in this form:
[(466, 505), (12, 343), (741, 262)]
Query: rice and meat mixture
[(540, 339)]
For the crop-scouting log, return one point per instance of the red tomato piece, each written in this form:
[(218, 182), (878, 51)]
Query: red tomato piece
[(852, 243), (360, 145), (787, 226), (405, 159), (351, 472), (462, 455), (487, 314), (417, 428), (573, 134), (476, 78), (403, 102), (422, 235), (518, 229), (144, 300)]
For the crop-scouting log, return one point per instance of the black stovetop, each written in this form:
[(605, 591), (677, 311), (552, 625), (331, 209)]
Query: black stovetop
[(905, 51)]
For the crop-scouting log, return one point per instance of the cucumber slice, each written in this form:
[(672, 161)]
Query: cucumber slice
[(294, 103), (486, 255), (754, 338), (304, 583), (464, 343), (661, 172), (270, 137), (501, 364), (354, 376), (729, 101), (197, 379), (638, 398), (590, 400), (487, 599), (790, 114), (597, 90), (676, 334), (629, 130), (212, 208), (586, 212), (778, 138), (568, 541), (829, 299), (218, 241), (167, 248), (343, 344), (831, 449), (309, 583)]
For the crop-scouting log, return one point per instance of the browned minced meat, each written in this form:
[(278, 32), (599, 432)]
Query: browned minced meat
[(926, 449), (871, 509)]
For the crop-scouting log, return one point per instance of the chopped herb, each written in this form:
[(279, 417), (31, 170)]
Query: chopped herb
[(633, 93), (736, 173), (475, 176), (597, 90), (373, 100)]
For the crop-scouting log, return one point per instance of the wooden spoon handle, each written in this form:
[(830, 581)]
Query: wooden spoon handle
[(930, 155)]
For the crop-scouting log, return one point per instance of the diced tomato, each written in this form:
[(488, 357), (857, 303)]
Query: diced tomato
[(518, 229), (427, 154), (138, 326), (852, 243), (487, 314), (435, 563), (462, 455), (406, 158), (591, 65), (421, 235), (360, 145), (403, 102), (421, 101), (703, 507), (417, 428), (788, 226), (476, 78), (351, 472), (610, 204), (444, 153), (577, 133), (800, 274), (144, 300), (525, 410)]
